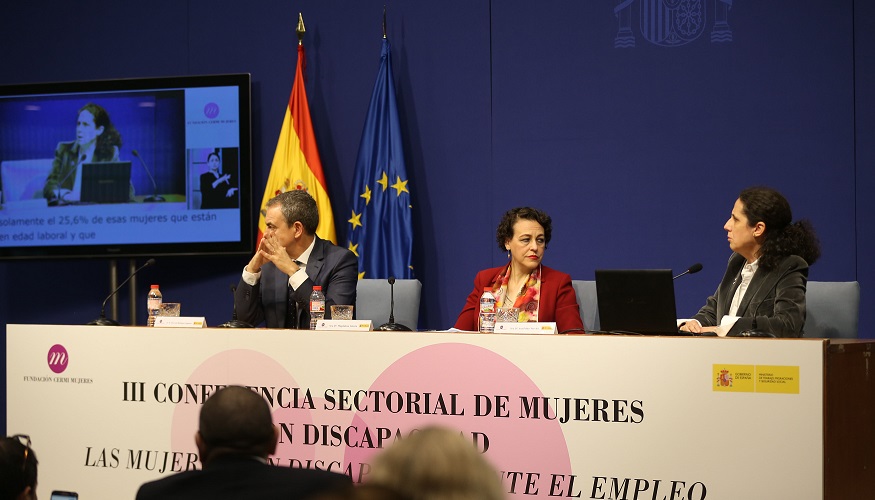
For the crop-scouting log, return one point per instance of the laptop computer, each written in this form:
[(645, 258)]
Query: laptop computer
[(637, 301), (106, 182)]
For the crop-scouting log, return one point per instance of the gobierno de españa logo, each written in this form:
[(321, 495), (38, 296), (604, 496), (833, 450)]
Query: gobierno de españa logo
[(58, 358)]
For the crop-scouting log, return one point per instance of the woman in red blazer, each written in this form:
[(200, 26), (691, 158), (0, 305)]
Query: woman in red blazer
[(540, 293)]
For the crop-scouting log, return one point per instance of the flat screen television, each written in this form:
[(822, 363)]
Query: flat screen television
[(125, 168)]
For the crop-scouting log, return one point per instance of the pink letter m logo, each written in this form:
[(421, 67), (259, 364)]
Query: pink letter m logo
[(58, 358)]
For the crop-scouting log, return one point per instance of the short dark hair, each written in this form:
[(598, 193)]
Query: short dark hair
[(298, 205), (214, 153), (18, 466), (505, 227), (236, 420), (782, 237)]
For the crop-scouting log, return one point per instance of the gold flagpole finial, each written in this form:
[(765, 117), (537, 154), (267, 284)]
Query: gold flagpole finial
[(300, 29), (384, 22)]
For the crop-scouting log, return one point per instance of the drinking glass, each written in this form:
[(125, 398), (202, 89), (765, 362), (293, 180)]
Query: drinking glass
[(510, 315), (169, 309), (341, 312)]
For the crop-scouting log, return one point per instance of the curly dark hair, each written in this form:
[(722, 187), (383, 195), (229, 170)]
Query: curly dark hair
[(110, 138), (782, 236), (505, 227)]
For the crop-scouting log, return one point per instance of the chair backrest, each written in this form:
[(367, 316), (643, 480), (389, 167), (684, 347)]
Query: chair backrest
[(588, 302), (832, 309), (24, 179), (373, 299), (195, 199)]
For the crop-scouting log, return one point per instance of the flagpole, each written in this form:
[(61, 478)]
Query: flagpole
[(380, 231), (296, 163)]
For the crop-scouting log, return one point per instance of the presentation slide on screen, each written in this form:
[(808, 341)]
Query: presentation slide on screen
[(132, 167)]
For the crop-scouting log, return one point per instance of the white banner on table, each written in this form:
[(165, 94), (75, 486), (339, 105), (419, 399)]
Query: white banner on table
[(598, 417)]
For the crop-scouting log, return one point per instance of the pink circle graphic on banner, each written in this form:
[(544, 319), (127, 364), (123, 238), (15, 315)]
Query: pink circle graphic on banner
[(58, 358), (233, 367), (436, 384)]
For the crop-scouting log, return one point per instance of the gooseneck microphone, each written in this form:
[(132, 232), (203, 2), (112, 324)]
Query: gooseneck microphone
[(58, 200), (235, 323), (754, 331), (103, 320), (154, 196), (691, 270), (391, 325)]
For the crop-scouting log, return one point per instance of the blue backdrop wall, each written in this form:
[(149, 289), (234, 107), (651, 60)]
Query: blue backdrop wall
[(635, 134)]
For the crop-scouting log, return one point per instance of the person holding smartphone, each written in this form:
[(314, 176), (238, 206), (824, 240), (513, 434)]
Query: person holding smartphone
[(18, 465), (65, 495)]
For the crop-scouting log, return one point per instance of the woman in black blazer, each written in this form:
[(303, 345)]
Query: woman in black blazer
[(763, 289)]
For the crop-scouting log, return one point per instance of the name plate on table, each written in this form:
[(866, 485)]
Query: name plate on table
[(347, 325), (528, 327), (181, 321)]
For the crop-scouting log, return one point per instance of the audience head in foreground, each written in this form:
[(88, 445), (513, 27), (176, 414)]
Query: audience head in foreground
[(17, 469), (434, 463), (235, 421), (235, 436)]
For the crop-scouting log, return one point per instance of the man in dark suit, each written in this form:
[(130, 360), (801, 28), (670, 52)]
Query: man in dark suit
[(290, 260), (234, 438)]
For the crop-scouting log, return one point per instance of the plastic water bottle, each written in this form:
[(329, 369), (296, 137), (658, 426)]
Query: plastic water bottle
[(487, 311), (317, 306), (153, 303)]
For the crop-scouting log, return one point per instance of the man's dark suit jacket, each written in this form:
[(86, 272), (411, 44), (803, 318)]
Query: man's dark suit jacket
[(333, 268), (776, 297), (231, 478)]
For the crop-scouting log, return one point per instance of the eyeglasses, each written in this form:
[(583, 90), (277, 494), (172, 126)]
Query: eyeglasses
[(25, 440)]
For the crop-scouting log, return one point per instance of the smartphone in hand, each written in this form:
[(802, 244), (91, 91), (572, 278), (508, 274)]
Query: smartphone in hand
[(64, 495)]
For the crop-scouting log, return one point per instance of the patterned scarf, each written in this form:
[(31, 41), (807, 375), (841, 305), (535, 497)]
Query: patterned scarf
[(526, 301)]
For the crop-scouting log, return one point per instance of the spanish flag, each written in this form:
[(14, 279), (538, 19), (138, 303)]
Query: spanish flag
[(296, 162)]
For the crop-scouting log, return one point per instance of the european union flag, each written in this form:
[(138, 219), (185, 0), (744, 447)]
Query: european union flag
[(381, 231)]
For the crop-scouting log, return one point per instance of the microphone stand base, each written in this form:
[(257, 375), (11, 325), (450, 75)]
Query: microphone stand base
[(393, 327), (236, 323), (103, 321), (755, 333)]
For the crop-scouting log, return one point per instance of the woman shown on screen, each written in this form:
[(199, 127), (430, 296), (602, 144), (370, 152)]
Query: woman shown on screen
[(97, 140), (216, 188)]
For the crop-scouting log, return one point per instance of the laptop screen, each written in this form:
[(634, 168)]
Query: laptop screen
[(106, 182), (636, 301)]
